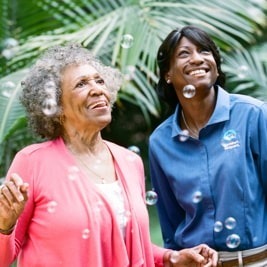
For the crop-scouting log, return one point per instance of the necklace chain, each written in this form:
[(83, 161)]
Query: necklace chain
[(103, 181), (193, 132)]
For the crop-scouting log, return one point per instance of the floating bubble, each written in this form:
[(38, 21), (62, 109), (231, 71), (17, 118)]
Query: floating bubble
[(242, 71), (8, 53), (130, 73), (174, 257), (10, 43), (189, 91), (134, 149), (197, 197), (230, 223), (8, 88), (151, 197), (184, 135), (127, 41), (73, 173), (85, 233), (49, 107), (51, 206), (233, 241), (218, 226)]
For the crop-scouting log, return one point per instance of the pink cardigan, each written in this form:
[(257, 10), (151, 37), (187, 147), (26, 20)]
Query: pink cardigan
[(67, 221)]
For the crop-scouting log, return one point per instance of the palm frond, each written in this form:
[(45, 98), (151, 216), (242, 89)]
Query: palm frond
[(247, 73), (10, 107)]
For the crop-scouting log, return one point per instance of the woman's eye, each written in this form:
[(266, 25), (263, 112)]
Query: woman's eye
[(81, 84), (183, 53), (205, 51), (100, 81)]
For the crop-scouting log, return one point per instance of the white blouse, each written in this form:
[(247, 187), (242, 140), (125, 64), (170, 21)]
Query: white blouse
[(113, 193)]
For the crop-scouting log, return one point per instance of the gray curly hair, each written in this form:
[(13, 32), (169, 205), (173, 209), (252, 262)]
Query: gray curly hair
[(45, 76)]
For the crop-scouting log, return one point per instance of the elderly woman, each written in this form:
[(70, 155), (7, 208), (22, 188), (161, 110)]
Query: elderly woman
[(77, 200)]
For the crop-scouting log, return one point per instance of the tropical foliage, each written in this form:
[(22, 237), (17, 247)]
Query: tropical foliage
[(125, 34)]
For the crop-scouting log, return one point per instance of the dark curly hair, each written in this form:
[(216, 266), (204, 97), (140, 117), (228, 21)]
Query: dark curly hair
[(166, 52), (44, 80)]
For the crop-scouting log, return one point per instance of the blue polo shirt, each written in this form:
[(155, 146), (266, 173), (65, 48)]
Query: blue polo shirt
[(213, 190)]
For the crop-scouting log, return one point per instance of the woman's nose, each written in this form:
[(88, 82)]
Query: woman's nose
[(196, 58), (96, 89)]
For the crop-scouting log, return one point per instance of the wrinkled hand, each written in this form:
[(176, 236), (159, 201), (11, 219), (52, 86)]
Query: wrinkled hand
[(199, 256), (13, 197)]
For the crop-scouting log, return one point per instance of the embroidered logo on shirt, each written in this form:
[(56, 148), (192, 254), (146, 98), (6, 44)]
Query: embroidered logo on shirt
[(230, 140)]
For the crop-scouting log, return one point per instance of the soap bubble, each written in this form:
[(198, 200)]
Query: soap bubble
[(218, 226), (242, 71), (189, 91), (49, 107), (184, 135), (127, 41), (85, 233), (230, 223), (134, 149), (174, 257), (197, 197), (233, 241), (151, 197), (73, 173), (7, 88), (10, 42), (51, 206)]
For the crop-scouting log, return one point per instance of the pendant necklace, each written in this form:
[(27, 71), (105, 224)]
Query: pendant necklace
[(194, 133), (102, 179)]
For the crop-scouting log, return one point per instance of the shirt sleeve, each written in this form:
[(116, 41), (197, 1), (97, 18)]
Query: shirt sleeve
[(169, 211)]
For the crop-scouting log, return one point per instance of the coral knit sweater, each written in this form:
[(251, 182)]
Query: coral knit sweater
[(68, 222)]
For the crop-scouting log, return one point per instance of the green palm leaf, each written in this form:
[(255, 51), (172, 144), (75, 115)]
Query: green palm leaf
[(10, 108)]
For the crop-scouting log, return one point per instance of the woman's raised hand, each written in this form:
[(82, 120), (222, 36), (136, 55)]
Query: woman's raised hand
[(13, 197)]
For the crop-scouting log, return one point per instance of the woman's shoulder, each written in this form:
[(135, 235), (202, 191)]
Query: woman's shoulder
[(37, 147)]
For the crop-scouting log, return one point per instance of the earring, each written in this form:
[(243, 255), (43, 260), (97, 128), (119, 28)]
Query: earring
[(168, 81)]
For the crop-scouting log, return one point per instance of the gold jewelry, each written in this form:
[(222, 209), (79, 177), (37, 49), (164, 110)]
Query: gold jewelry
[(194, 133), (102, 179)]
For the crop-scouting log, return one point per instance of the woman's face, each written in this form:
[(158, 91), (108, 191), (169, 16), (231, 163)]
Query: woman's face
[(85, 98), (192, 65)]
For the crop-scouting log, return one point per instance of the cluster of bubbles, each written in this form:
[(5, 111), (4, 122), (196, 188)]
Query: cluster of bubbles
[(9, 48), (233, 240), (52, 208), (49, 105), (7, 88)]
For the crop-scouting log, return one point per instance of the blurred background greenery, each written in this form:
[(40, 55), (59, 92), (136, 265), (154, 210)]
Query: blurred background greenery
[(239, 27)]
